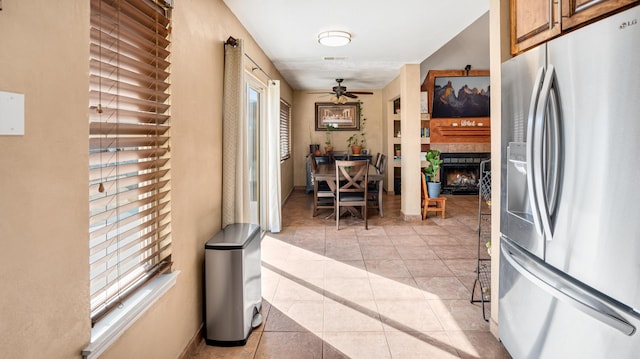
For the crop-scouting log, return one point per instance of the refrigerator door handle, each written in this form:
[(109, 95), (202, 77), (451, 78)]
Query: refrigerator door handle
[(538, 163), (535, 94), (555, 148), (564, 290)]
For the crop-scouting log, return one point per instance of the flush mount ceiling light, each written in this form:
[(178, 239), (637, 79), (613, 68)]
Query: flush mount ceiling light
[(334, 38)]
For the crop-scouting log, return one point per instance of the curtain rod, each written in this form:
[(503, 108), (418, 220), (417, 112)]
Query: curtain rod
[(258, 68), (233, 42)]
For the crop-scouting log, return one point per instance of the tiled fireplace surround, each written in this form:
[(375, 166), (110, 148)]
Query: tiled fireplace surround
[(461, 147)]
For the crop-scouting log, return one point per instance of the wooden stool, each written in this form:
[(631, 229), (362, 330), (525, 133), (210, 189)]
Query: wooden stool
[(439, 205)]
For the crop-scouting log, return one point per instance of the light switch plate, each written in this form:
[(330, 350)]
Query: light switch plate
[(11, 113)]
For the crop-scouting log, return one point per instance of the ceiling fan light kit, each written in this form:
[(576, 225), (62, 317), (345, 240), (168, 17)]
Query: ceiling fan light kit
[(334, 38), (338, 100)]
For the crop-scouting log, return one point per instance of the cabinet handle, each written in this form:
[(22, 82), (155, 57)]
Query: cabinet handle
[(550, 14), (560, 15)]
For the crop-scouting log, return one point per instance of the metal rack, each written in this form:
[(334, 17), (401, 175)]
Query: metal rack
[(483, 270)]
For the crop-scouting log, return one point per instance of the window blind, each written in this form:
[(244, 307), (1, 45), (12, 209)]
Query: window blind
[(285, 123), (129, 225)]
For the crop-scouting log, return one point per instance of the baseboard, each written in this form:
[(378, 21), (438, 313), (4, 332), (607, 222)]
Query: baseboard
[(412, 217), (286, 198), (190, 350)]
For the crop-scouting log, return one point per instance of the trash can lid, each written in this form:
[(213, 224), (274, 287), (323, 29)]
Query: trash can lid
[(233, 236)]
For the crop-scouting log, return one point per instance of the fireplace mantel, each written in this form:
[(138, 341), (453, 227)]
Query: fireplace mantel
[(452, 130)]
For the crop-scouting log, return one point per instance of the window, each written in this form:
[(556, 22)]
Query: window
[(129, 224), (285, 122)]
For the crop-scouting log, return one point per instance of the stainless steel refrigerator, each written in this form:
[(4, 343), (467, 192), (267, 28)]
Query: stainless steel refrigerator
[(570, 219)]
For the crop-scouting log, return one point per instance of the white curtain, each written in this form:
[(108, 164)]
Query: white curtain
[(274, 215), (234, 136)]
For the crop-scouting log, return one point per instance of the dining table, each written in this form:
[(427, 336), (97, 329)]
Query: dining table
[(327, 172)]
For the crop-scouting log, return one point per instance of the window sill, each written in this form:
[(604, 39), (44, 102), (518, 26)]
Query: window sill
[(113, 325)]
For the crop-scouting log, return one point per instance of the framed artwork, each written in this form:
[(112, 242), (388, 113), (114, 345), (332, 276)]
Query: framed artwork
[(342, 117), (458, 93), (461, 96)]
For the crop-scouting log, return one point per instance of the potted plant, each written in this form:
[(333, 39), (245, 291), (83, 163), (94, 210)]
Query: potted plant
[(398, 151), (358, 141), (328, 141), (432, 170)]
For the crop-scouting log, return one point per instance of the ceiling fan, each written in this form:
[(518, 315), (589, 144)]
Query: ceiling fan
[(340, 93)]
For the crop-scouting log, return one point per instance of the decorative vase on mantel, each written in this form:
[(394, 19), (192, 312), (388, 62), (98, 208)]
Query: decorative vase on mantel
[(356, 150)]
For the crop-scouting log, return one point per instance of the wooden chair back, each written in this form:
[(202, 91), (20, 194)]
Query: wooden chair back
[(352, 179), (314, 164), (382, 164)]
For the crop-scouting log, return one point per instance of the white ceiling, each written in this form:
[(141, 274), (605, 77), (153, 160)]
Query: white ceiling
[(385, 36)]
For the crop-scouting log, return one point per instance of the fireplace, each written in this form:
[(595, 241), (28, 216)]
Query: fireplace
[(460, 172)]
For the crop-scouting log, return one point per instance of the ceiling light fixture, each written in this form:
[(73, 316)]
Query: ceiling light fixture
[(334, 38)]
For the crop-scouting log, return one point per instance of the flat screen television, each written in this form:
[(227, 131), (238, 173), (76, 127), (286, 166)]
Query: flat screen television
[(461, 96)]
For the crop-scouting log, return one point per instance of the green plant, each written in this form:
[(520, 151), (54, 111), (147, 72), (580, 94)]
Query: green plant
[(359, 139), (328, 139), (433, 165), (354, 140)]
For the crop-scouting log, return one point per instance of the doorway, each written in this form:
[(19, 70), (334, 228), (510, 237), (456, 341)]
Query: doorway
[(255, 116)]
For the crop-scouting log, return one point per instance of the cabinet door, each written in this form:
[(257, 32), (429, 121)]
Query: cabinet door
[(533, 22), (578, 12)]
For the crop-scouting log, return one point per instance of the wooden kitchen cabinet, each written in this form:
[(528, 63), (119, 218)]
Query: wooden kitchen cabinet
[(533, 22), (578, 12), (536, 21)]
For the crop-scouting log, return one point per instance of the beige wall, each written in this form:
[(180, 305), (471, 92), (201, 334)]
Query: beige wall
[(44, 306), (44, 274), (303, 120)]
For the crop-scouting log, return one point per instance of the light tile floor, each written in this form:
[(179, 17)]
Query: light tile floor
[(398, 290)]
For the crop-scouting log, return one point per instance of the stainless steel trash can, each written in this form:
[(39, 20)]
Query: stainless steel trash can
[(233, 292)]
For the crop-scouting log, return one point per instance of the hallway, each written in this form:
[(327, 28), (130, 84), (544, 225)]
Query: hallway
[(399, 290)]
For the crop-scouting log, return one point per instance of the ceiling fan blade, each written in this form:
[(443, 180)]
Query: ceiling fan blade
[(362, 92), (320, 92), (349, 94)]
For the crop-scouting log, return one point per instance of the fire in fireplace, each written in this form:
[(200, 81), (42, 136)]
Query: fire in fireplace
[(460, 172)]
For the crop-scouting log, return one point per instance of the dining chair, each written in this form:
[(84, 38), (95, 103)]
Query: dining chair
[(323, 196), (376, 186), (352, 178), (314, 163), (376, 161)]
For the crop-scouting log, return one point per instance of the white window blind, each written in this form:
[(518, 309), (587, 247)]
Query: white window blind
[(129, 225), (285, 124)]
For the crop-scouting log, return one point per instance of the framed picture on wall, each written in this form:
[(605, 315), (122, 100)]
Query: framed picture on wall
[(460, 96), (342, 117)]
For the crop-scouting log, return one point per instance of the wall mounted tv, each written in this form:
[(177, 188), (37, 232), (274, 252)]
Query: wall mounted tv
[(461, 96)]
